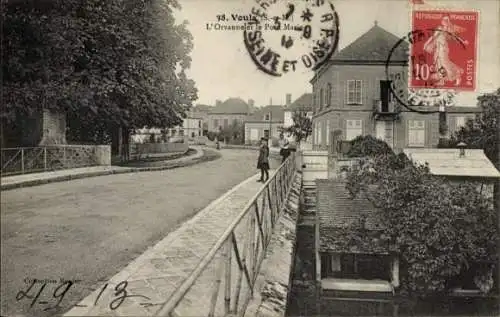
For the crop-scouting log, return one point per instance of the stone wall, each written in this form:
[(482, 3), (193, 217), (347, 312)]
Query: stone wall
[(273, 284)]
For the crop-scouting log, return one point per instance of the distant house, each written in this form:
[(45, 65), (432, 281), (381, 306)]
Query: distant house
[(225, 113), (352, 262), (201, 111), (192, 126), (265, 122)]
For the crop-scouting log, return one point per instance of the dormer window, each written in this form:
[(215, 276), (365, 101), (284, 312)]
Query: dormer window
[(266, 117)]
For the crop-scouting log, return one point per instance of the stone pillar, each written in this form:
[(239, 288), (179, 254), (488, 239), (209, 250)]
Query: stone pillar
[(103, 155), (53, 128)]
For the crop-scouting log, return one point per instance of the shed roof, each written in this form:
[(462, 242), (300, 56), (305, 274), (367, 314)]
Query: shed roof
[(339, 216), (447, 162)]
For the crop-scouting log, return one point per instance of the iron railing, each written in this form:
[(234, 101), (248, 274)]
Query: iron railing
[(231, 267), (23, 160)]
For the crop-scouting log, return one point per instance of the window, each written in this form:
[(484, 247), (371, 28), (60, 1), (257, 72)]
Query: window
[(353, 129), (181, 132), (321, 99), (266, 118), (327, 135), (354, 92), (192, 134), (329, 95), (319, 133), (226, 123), (216, 123), (266, 133), (416, 133), (199, 123), (356, 266), (314, 101), (461, 122)]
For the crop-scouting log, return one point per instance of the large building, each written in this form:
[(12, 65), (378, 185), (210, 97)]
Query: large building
[(347, 97), (225, 113)]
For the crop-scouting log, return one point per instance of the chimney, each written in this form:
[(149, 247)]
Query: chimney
[(288, 100), (462, 147), (218, 102)]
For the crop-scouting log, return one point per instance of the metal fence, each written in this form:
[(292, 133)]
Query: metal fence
[(231, 267), (24, 160)]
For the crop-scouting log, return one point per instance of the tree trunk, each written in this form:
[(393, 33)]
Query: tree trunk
[(125, 139)]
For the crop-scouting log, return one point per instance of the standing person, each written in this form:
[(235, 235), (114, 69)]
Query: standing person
[(281, 143), (263, 161), (285, 151)]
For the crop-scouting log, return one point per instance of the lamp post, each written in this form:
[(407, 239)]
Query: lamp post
[(270, 128)]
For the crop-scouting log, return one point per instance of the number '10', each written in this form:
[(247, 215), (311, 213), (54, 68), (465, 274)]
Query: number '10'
[(421, 71)]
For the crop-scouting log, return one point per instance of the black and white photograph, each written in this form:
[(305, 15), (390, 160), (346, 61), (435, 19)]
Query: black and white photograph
[(250, 158)]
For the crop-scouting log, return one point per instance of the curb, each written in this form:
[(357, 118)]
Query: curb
[(37, 182)]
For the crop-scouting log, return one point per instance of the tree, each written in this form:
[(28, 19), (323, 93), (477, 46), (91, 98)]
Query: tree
[(481, 132), (438, 228), (234, 133), (301, 128), (111, 63)]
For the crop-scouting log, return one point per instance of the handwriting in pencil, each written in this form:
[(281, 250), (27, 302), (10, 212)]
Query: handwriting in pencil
[(120, 294)]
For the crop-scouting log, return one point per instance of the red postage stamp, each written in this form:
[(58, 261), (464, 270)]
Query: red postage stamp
[(444, 50)]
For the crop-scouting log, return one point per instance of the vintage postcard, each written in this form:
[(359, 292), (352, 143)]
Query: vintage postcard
[(270, 158)]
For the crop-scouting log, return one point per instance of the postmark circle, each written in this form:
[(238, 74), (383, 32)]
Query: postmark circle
[(291, 36), (432, 95)]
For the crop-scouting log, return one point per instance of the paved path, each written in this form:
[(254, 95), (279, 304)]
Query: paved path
[(89, 229), (159, 271)]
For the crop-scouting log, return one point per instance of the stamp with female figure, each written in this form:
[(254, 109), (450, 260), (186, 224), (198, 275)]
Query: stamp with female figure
[(445, 58)]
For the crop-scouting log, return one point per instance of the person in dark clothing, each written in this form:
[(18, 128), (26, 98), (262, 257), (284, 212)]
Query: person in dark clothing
[(285, 151), (263, 161)]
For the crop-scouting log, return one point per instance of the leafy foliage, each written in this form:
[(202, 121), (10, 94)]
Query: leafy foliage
[(368, 145), (438, 228), (481, 133), (105, 63), (234, 133), (301, 128)]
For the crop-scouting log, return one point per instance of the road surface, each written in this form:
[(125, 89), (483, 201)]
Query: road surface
[(87, 230)]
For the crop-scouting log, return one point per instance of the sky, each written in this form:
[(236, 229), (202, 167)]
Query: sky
[(222, 67)]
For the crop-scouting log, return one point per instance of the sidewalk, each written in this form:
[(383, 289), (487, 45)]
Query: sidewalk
[(162, 268), (34, 179)]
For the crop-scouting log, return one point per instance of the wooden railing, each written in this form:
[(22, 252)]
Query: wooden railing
[(231, 266), (46, 158)]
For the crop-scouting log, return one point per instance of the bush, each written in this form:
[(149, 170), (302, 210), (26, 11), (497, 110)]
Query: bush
[(368, 145)]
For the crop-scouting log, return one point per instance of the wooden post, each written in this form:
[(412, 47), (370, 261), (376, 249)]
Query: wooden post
[(227, 282)]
